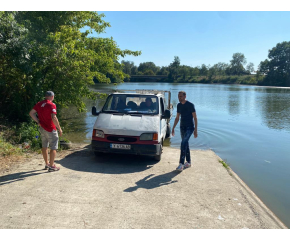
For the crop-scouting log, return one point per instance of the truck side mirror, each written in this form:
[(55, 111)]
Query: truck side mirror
[(94, 111), (166, 114)]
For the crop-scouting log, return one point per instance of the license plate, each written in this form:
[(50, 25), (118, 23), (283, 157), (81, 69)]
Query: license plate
[(120, 146)]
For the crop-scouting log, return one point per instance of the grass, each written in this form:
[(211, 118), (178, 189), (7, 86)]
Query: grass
[(7, 149), (9, 154), (226, 165)]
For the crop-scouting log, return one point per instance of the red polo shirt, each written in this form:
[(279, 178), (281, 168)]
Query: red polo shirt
[(44, 110)]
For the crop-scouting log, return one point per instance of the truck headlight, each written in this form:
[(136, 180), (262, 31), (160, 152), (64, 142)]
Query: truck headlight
[(149, 137), (99, 133)]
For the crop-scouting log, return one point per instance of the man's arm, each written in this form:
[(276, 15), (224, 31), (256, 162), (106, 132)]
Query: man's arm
[(195, 124), (32, 114), (175, 123), (56, 123)]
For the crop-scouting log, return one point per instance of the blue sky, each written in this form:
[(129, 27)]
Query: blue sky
[(197, 32), (197, 37)]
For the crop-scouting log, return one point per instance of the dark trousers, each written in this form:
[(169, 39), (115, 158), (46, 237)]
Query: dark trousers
[(186, 133)]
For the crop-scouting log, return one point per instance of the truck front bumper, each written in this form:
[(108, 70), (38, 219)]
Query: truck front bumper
[(137, 149)]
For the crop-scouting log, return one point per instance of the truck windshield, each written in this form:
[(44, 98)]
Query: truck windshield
[(135, 104)]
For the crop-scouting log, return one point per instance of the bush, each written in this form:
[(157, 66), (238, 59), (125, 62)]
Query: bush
[(29, 133)]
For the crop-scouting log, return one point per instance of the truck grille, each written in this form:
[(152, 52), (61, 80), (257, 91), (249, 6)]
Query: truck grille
[(121, 139)]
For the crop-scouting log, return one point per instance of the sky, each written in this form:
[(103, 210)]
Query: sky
[(198, 32), (197, 37)]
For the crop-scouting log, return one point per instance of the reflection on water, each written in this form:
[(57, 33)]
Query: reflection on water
[(248, 126), (276, 108), (73, 124), (77, 126), (234, 103)]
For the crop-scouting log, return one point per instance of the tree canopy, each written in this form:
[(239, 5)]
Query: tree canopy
[(277, 67), (42, 51), (237, 64), (148, 68)]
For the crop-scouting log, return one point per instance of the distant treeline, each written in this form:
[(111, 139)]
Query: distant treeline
[(272, 72)]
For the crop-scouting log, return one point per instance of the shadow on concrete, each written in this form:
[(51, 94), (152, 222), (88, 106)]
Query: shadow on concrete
[(10, 178), (154, 182), (85, 161)]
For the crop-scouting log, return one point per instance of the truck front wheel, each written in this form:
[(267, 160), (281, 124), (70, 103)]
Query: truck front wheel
[(158, 157), (97, 154)]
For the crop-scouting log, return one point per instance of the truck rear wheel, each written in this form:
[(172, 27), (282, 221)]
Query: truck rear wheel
[(168, 130)]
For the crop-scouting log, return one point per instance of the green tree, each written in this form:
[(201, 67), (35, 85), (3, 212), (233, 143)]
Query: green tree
[(174, 68), (143, 67), (277, 68), (237, 64), (184, 71), (250, 68), (203, 70), (221, 68), (213, 71), (134, 70), (15, 66), (127, 67), (149, 72), (264, 67), (163, 71), (53, 53), (194, 71)]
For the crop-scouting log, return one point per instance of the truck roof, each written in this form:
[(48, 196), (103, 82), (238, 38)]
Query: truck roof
[(126, 93), (143, 91)]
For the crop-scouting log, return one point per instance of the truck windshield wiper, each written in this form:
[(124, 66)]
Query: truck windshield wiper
[(133, 112), (141, 113), (112, 111)]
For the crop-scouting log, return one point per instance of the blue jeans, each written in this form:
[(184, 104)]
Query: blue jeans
[(186, 133)]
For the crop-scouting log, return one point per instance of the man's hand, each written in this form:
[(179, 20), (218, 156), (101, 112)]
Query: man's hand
[(56, 123), (195, 133), (175, 123), (60, 132), (32, 114)]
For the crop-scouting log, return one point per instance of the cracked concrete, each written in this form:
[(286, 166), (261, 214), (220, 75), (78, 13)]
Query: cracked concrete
[(121, 191)]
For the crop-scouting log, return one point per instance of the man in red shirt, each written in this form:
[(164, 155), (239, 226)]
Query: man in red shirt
[(48, 122)]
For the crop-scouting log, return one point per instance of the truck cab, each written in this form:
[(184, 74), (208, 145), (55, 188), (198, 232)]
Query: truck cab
[(133, 122)]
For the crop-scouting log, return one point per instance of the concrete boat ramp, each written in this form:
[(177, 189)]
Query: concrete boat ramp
[(129, 192)]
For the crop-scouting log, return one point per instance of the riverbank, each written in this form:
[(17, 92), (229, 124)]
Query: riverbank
[(236, 79), (120, 191)]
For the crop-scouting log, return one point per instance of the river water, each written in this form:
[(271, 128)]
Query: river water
[(247, 126)]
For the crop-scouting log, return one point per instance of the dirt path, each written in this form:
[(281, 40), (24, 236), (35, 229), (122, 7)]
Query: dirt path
[(120, 191)]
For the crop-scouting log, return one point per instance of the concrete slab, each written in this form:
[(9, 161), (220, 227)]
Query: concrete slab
[(124, 192)]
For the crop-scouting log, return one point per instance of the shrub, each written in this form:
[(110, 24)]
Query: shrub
[(29, 133)]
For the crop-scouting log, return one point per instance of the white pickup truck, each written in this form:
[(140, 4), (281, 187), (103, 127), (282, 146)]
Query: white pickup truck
[(133, 122)]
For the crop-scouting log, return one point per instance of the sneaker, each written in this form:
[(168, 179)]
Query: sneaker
[(187, 165), (180, 167), (53, 168), (46, 167)]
